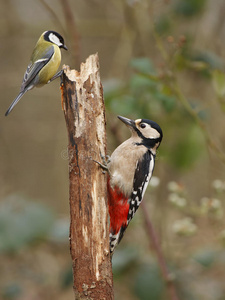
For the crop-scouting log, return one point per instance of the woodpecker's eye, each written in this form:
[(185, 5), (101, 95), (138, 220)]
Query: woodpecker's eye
[(142, 125)]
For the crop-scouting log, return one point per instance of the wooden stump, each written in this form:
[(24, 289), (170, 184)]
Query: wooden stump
[(84, 111)]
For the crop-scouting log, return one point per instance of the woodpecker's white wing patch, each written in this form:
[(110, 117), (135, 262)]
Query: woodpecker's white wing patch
[(151, 168), (142, 177)]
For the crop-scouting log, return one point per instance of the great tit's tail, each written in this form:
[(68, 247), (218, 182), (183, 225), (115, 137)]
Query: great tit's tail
[(15, 101)]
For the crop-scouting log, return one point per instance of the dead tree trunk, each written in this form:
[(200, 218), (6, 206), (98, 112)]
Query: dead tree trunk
[(84, 112)]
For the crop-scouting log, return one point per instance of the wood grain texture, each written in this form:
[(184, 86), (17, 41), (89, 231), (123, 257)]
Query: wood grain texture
[(84, 111)]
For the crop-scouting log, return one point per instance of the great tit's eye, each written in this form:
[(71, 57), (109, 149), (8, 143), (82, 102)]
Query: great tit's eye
[(142, 125)]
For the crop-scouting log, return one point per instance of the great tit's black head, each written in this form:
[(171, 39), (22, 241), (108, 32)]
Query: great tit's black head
[(148, 131), (55, 38)]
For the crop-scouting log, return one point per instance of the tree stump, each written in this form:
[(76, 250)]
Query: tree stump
[(84, 111)]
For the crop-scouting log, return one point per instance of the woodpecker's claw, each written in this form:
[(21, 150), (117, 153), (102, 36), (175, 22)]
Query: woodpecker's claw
[(105, 159), (105, 162), (104, 167)]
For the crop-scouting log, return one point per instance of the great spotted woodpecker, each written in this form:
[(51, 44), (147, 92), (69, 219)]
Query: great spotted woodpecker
[(130, 168)]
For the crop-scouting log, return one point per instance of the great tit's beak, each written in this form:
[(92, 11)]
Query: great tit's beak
[(130, 123), (64, 47)]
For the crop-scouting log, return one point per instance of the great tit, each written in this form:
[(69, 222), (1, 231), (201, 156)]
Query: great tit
[(44, 63)]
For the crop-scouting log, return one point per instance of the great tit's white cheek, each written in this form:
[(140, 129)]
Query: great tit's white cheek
[(54, 39)]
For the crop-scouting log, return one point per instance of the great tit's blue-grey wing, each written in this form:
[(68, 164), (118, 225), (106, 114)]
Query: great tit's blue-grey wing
[(34, 68), (30, 77)]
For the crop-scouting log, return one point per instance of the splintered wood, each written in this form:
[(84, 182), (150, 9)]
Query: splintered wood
[(84, 111)]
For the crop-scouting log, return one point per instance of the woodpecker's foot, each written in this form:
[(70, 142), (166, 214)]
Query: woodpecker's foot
[(104, 165), (105, 159)]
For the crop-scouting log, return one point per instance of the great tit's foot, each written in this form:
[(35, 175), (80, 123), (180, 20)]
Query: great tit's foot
[(56, 76)]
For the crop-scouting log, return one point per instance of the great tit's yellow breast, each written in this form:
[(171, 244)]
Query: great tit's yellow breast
[(50, 69)]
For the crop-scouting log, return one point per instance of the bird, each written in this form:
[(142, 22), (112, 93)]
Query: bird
[(44, 63), (130, 168)]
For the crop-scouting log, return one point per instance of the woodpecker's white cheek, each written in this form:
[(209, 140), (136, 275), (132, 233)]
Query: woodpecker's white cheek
[(151, 133)]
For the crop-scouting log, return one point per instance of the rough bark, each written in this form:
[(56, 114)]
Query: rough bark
[(84, 112)]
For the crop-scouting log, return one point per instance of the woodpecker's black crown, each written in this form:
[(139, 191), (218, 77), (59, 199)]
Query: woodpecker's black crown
[(153, 125), (148, 131)]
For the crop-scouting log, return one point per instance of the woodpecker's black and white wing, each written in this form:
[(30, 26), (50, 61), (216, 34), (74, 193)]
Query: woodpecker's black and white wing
[(142, 177)]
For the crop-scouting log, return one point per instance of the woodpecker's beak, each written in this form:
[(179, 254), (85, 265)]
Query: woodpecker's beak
[(128, 122)]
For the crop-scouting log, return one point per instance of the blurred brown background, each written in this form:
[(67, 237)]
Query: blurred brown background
[(161, 60)]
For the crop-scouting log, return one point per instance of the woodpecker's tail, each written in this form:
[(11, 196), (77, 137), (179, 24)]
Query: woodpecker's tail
[(15, 101), (115, 238)]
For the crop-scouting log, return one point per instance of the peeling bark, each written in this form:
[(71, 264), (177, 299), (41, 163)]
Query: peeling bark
[(84, 111)]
